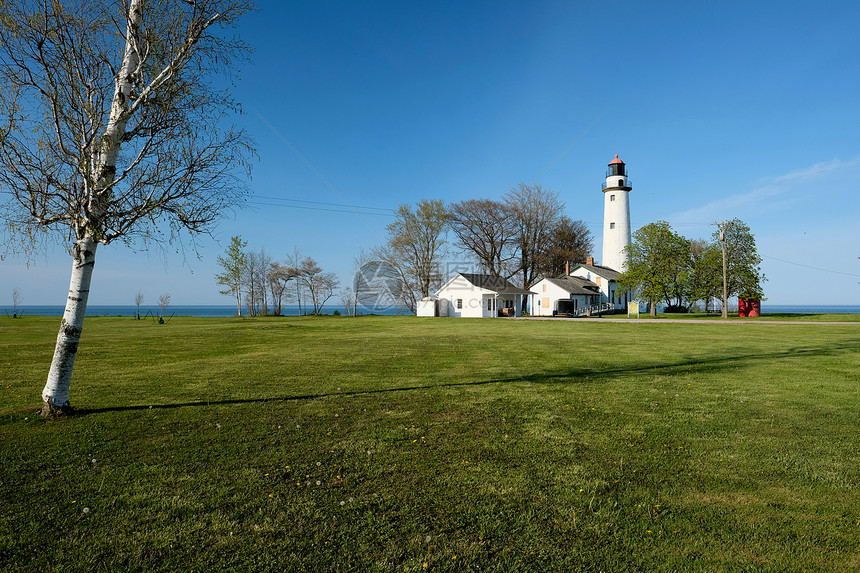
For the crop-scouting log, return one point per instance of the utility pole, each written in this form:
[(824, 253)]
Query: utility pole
[(723, 244)]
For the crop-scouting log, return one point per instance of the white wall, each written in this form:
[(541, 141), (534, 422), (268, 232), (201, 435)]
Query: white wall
[(601, 282), (471, 297), (550, 292), (616, 210)]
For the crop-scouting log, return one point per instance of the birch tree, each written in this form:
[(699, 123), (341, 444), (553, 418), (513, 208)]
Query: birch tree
[(111, 130), (138, 300), (279, 278), (233, 263), (16, 301), (321, 285)]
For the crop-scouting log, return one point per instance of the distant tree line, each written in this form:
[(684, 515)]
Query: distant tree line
[(262, 285), (665, 267), (522, 237)]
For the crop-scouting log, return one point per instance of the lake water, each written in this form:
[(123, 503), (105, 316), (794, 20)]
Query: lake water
[(183, 310), (293, 310), (820, 309)]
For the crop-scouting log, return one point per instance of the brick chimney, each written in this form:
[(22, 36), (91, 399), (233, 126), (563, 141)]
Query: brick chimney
[(589, 261)]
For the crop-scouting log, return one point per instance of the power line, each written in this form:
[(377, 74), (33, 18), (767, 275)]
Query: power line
[(346, 209), (811, 267), (342, 205), (318, 174)]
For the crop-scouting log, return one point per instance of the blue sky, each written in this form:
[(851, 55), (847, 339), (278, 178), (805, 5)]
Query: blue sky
[(720, 110)]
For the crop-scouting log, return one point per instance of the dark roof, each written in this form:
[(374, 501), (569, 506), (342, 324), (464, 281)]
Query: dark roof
[(605, 272), (576, 285), (495, 284)]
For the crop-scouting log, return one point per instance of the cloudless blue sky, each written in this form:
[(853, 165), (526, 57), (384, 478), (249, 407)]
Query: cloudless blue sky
[(720, 110)]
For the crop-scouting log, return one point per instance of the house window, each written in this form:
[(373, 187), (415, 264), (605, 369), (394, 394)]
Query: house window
[(459, 303), (611, 225), (544, 302), (612, 197), (491, 304), (544, 287)]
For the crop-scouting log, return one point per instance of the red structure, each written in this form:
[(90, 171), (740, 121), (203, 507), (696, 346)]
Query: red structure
[(749, 307)]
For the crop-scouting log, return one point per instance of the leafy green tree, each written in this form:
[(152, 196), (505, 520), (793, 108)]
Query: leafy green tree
[(706, 278), (658, 265), (234, 262), (744, 277)]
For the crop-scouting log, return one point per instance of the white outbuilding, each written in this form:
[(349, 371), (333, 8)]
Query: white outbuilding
[(566, 295), (480, 296)]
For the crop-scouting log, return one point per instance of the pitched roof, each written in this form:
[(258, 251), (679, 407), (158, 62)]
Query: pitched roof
[(495, 284), (575, 285), (604, 272)]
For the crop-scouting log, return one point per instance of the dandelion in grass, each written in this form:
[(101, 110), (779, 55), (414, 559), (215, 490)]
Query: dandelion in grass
[(86, 510)]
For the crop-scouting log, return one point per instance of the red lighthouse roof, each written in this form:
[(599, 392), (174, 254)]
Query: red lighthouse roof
[(616, 160)]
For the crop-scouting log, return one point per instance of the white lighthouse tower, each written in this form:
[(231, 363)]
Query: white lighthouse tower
[(616, 216)]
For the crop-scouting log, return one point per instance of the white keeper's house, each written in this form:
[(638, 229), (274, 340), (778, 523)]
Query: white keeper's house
[(476, 296)]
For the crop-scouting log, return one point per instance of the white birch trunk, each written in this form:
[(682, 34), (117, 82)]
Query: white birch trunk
[(55, 396)]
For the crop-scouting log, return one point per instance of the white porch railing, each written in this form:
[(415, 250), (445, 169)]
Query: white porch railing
[(593, 309)]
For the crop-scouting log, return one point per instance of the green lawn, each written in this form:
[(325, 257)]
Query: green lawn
[(404, 444)]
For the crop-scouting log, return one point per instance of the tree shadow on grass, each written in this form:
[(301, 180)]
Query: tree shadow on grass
[(568, 376)]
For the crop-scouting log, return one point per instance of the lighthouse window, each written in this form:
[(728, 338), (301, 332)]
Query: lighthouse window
[(621, 182), (612, 197), (611, 225)]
